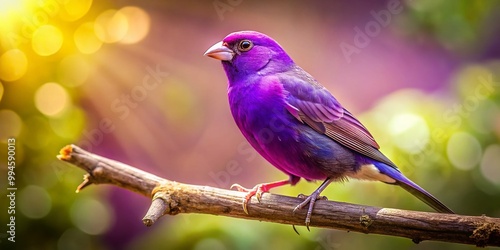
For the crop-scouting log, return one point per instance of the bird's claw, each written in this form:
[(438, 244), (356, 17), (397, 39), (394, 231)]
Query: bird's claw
[(256, 191), (309, 200), (238, 187), (245, 207), (319, 198), (302, 196)]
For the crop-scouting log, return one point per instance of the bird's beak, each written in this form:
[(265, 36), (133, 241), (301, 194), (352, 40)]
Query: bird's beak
[(220, 52)]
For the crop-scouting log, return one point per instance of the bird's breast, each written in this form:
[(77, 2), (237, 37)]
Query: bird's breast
[(261, 115), (259, 112)]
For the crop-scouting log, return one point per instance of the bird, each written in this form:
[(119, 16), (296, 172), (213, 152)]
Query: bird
[(297, 125)]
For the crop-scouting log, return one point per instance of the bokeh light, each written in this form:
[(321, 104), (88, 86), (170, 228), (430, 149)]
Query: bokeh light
[(86, 40), (409, 131), (9, 9), (490, 167), (91, 216), (13, 65), (70, 124), (34, 202), (73, 70), (482, 120), (464, 150), (74, 239), (72, 10), (51, 99), (10, 124), (1, 91), (138, 24), (47, 40), (111, 26), (470, 81)]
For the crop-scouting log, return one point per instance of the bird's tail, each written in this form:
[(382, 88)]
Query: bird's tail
[(413, 188)]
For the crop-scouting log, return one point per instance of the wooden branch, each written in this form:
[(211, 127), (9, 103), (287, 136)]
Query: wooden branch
[(170, 197)]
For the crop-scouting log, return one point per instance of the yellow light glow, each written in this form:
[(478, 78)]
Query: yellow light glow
[(13, 65), (69, 125), (9, 6), (409, 131), (111, 26), (73, 70), (86, 40), (17, 22), (51, 99), (138, 24), (1, 91), (47, 40), (74, 9), (10, 124)]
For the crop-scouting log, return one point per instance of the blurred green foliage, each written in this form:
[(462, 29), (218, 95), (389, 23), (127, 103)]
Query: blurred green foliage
[(464, 27)]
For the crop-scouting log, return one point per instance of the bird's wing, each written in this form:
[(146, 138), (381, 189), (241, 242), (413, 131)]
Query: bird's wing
[(315, 106)]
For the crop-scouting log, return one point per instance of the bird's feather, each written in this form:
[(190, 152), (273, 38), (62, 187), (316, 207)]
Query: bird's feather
[(412, 188), (313, 105)]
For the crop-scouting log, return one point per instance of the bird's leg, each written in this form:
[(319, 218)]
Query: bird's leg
[(258, 190), (311, 200)]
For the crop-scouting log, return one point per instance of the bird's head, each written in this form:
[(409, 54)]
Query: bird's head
[(249, 52)]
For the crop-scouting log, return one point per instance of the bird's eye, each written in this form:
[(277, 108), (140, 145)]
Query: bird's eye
[(245, 45)]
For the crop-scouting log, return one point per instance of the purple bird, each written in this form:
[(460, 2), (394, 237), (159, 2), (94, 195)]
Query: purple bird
[(297, 124)]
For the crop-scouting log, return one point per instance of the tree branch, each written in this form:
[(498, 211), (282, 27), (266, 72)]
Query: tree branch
[(170, 197)]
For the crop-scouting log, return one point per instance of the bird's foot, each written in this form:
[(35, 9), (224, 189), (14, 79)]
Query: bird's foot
[(311, 199), (256, 191)]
